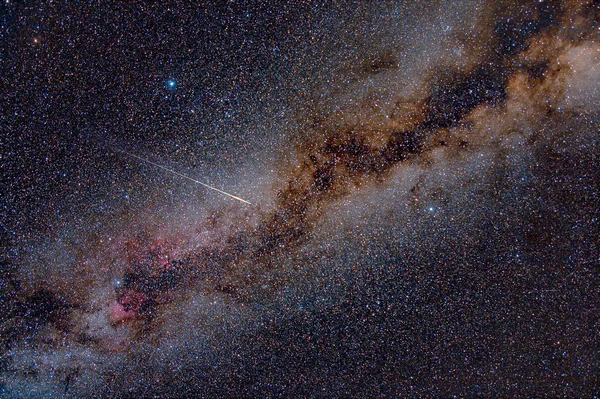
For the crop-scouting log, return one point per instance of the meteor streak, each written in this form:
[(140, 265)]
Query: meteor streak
[(184, 176)]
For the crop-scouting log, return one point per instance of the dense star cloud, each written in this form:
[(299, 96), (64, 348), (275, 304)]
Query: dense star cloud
[(423, 187)]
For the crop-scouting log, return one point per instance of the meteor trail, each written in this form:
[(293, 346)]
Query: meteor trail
[(184, 176)]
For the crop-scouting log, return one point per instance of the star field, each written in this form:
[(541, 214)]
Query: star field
[(421, 199)]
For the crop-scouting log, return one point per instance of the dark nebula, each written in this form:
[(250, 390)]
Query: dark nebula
[(425, 189)]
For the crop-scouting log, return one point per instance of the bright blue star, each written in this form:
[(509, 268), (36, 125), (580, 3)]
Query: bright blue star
[(171, 84)]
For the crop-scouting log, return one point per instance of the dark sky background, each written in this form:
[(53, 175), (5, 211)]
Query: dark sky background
[(424, 188)]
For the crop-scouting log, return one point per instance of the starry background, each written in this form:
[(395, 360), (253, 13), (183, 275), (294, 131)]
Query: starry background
[(425, 192)]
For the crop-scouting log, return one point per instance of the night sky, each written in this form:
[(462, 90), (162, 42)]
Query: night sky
[(420, 185)]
